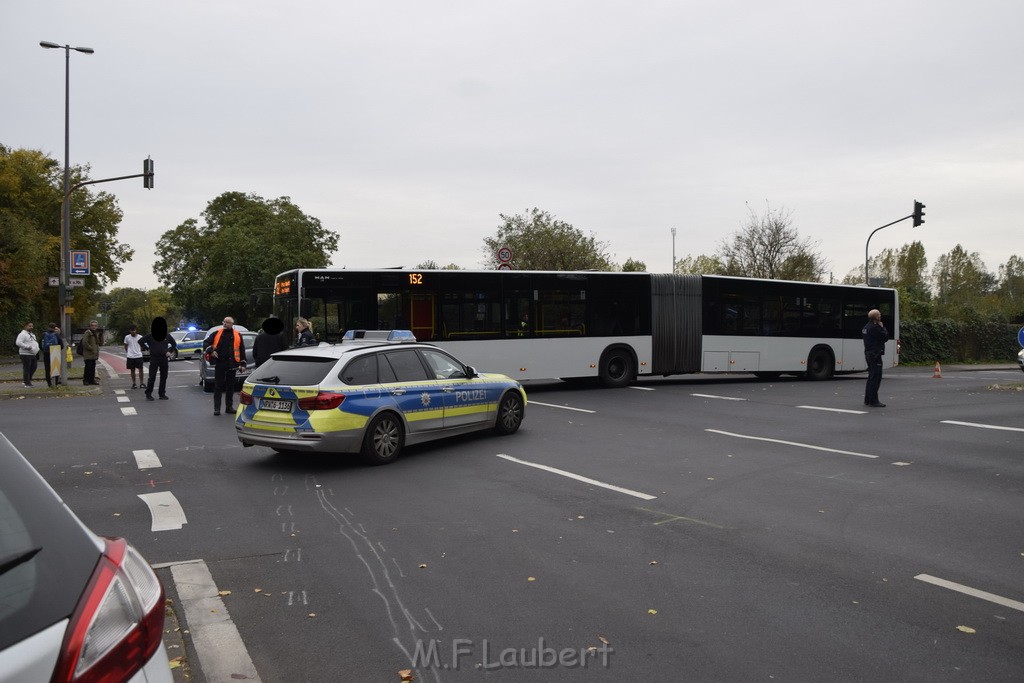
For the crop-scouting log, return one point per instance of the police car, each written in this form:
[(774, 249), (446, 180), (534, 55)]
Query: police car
[(371, 394), (189, 343)]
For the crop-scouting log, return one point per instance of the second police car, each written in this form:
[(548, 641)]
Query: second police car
[(372, 394)]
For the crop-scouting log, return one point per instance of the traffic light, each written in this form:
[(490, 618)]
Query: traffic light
[(147, 174), (918, 213)]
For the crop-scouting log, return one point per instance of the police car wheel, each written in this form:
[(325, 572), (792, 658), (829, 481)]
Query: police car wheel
[(510, 413), (383, 440)]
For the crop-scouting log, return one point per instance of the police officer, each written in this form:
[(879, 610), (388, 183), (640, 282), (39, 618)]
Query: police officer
[(875, 336), (225, 348)]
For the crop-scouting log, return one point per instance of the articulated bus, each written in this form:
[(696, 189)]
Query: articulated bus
[(611, 326)]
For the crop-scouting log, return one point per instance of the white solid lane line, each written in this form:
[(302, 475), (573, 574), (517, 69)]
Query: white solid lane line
[(146, 459), (722, 398), (981, 426), (552, 405), (834, 410), (641, 388), (791, 443), (222, 654), (165, 510), (973, 592), (577, 477)]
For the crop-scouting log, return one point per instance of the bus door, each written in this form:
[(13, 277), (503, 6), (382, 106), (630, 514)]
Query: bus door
[(421, 316)]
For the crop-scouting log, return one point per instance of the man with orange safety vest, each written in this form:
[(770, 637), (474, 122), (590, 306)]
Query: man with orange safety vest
[(225, 349)]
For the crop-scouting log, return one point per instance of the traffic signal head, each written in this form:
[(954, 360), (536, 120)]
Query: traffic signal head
[(918, 213), (147, 174)]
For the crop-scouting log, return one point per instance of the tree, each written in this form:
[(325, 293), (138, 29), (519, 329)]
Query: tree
[(961, 283), (634, 266), (128, 305), (768, 247), (539, 241), (700, 265), (1011, 288), (211, 269), (905, 270), (431, 264), (31, 191)]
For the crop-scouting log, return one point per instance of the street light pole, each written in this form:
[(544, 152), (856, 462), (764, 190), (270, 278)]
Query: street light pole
[(65, 208), (673, 251)]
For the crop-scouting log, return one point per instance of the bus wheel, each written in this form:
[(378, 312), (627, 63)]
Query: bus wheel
[(616, 369), (383, 440), (820, 364), (510, 413)]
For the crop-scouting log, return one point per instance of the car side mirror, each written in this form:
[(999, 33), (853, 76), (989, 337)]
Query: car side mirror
[(470, 372)]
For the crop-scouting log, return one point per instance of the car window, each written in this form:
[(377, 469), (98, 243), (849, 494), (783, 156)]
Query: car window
[(294, 370), (443, 365), (47, 556), (361, 371), (406, 365)]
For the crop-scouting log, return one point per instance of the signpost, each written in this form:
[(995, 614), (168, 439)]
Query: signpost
[(504, 258)]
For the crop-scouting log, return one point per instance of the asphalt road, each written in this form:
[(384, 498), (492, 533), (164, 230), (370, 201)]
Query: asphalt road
[(700, 528)]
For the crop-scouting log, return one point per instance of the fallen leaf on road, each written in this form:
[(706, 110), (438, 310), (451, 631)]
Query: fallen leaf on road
[(224, 593), (423, 566), (406, 675), (603, 640), (530, 578), (653, 562), (966, 629), (652, 611), (175, 663)]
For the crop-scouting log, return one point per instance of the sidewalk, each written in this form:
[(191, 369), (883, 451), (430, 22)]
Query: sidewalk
[(11, 386)]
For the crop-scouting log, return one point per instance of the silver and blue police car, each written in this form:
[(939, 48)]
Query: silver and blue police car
[(373, 393), (189, 343)]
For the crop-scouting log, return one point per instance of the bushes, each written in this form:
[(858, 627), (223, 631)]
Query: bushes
[(971, 340)]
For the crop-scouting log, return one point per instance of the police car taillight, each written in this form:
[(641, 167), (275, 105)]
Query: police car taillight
[(325, 400), (118, 623), (245, 398)]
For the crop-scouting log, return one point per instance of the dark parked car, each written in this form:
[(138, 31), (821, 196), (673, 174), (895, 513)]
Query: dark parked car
[(206, 369), (73, 606)]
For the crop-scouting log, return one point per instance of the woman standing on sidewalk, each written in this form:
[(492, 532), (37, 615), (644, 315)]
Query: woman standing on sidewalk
[(28, 348), (52, 338)]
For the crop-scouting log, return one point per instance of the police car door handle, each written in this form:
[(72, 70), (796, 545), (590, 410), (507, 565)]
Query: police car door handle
[(448, 390), (398, 392)]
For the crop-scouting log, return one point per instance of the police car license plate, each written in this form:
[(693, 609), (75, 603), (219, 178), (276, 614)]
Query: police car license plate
[(275, 404)]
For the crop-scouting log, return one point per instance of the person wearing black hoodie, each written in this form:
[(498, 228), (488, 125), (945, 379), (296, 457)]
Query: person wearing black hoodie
[(161, 347), (269, 341)]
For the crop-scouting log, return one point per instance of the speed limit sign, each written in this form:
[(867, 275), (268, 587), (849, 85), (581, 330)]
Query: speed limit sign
[(504, 255)]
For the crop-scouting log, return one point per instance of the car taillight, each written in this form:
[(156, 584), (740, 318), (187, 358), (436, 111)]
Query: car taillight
[(245, 398), (118, 623), (325, 400)]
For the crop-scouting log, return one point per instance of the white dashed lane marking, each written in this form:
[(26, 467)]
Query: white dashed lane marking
[(577, 477), (982, 426), (552, 405), (973, 592), (146, 459), (791, 443), (165, 510)]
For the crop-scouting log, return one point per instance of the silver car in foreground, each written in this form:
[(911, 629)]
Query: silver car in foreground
[(73, 606)]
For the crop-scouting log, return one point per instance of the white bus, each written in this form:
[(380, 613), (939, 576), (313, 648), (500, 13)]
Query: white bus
[(613, 326)]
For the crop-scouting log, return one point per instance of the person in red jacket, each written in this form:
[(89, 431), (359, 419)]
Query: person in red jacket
[(225, 348)]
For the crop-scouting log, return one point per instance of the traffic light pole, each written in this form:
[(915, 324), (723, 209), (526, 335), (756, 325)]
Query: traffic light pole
[(65, 287), (918, 217)]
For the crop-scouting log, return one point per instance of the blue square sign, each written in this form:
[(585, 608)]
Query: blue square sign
[(80, 262)]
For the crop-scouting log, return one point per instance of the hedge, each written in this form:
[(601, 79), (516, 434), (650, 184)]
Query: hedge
[(958, 341)]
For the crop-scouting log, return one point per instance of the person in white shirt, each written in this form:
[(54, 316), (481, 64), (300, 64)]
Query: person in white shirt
[(133, 352), (28, 347)]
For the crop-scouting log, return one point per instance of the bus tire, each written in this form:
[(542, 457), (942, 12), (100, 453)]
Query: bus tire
[(617, 368), (383, 440), (510, 413), (821, 364)]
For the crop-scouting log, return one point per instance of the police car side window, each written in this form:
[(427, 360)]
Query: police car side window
[(407, 366), (361, 371), (444, 366)]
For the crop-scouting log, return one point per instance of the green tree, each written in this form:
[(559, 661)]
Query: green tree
[(31, 190), (905, 270), (431, 264), (769, 247), (1011, 288), (128, 305), (539, 241), (246, 240), (962, 283), (700, 265), (634, 266)]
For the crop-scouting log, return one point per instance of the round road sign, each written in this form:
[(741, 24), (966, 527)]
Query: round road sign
[(504, 255)]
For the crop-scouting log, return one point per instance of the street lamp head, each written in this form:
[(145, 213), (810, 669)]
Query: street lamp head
[(48, 44), (86, 50)]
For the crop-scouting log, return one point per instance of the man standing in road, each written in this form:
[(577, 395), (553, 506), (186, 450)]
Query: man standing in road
[(225, 348), (270, 340), (161, 347), (133, 354), (91, 342), (875, 336)]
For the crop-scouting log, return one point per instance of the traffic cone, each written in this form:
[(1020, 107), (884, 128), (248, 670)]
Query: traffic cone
[(938, 371)]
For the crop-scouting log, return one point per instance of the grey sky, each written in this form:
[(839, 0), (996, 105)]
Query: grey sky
[(408, 126)]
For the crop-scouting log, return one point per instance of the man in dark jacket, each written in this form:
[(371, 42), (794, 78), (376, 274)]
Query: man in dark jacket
[(875, 336), (270, 340), (225, 348), (91, 342), (161, 347)]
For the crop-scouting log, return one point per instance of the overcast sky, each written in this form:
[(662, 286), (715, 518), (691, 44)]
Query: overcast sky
[(408, 126)]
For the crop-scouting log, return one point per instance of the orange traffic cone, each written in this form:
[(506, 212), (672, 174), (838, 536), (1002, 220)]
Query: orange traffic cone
[(938, 371)]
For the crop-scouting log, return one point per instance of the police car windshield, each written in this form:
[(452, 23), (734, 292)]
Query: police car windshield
[(294, 370)]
